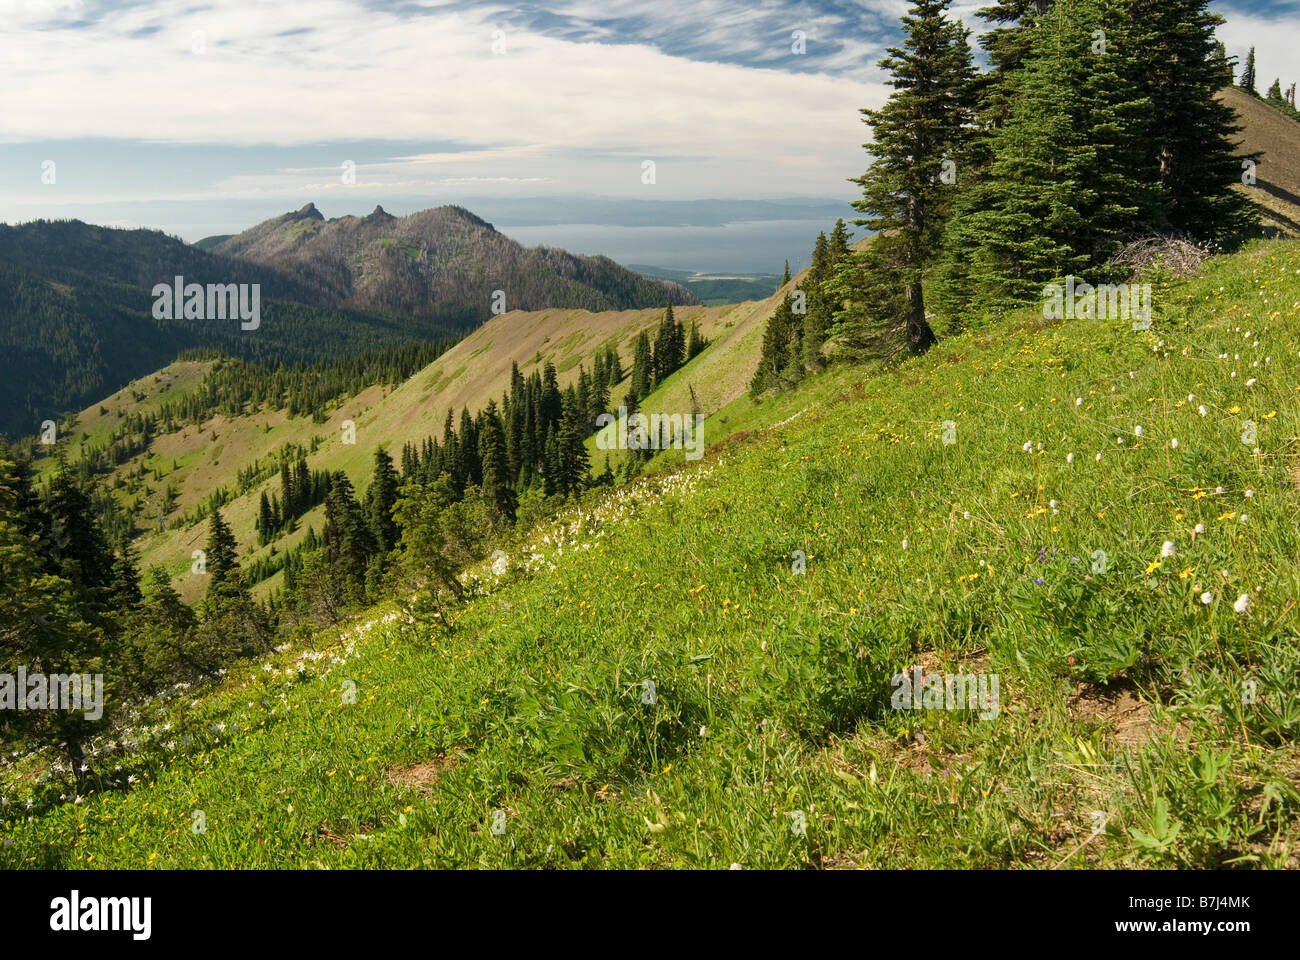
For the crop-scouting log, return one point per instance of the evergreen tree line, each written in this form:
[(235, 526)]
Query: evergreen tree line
[(1283, 100), (1096, 124), (653, 363), (795, 334), (234, 387), (301, 489), (72, 604)]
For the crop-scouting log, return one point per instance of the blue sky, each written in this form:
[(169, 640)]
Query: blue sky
[(204, 116)]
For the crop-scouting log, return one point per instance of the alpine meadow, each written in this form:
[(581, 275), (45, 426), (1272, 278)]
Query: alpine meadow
[(412, 540)]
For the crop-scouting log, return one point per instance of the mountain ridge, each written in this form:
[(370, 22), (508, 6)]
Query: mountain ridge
[(440, 256)]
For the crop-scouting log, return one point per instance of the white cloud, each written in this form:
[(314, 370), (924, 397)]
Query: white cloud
[(1275, 41), (357, 74)]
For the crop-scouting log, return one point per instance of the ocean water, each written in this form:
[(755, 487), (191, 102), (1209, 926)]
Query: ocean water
[(760, 246)]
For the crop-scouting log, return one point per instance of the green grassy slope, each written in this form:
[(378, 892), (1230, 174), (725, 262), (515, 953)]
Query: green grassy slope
[(1122, 736), (468, 376)]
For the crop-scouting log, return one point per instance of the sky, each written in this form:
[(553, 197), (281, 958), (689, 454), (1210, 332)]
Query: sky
[(201, 117)]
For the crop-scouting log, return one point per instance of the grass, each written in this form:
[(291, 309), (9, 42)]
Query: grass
[(472, 373), (1122, 738)]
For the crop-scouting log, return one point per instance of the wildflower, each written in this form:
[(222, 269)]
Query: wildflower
[(1137, 431), (1185, 573), (1198, 529), (1029, 444), (1168, 549), (904, 544), (1070, 458), (1250, 382), (1250, 493), (1201, 410), (1099, 458), (1242, 604), (1207, 598)]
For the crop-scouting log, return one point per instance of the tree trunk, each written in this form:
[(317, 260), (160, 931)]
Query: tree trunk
[(920, 337)]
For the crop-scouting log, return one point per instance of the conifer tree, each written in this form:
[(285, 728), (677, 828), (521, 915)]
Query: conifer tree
[(498, 491), (1063, 186), (286, 491), (221, 560), (469, 469), (347, 536), (574, 461), (597, 401), (265, 520), (552, 404), (302, 489), (1247, 81), (695, 343), (77, 545), (381, 497), (669, 347), (817, 316), (583, 394), (1189, 144), (924, 122), (775, 355), (642, 367), (551, 469), (42, 628)]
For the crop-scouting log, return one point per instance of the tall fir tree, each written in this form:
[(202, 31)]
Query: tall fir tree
[(1189, 144), (925, 122), (266, 525), (221, 560), (1247, 81), (574, 461), (669, 347), (498, 488), (289, 504), (1063, 186), (695, 343), (774, 357), (381, 496), (817, 315), (642, 367)]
